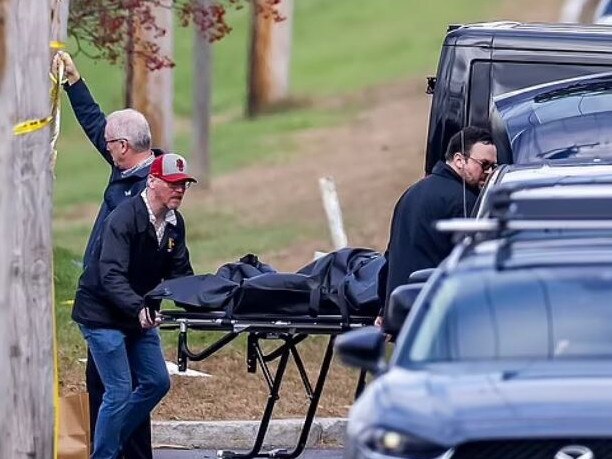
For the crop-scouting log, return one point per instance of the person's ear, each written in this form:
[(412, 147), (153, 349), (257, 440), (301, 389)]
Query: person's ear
[(124, 146), (459, 160)]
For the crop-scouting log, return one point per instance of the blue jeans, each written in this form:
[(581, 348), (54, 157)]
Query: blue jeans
[(117, 355)]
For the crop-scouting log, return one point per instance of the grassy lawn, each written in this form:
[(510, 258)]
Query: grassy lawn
[(339, 47)]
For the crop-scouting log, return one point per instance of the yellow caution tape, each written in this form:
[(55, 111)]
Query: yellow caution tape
[(57, 45), (54, 80), (56, 414), (31, 126), (55, 118)]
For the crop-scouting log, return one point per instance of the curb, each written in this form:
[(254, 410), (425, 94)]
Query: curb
[(241, 434)]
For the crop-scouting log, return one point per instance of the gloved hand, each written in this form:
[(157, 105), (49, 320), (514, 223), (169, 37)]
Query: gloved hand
[(70, 71), (148, 319)]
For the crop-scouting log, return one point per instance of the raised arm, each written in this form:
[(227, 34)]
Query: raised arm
[(87, 111)]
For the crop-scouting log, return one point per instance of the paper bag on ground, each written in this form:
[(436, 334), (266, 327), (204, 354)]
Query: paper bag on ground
[(73, 438)]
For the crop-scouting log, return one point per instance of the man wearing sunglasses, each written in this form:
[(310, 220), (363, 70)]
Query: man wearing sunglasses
[(142, 243), (449, 192), (123, 140)]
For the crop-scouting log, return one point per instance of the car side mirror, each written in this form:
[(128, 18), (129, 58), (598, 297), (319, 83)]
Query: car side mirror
[(431, 85), (400, 303), (363, 348), (420, 276)]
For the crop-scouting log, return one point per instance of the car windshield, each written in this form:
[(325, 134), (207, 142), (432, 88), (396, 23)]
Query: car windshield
[(538, 313), (579, 137), (567, 123)]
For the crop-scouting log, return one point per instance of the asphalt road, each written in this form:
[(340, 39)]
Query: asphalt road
[(212, 454)]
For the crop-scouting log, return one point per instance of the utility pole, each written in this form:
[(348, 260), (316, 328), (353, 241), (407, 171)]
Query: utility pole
[(152, 92), (26, 342), (59, 20), (269, 58), (202, 72)]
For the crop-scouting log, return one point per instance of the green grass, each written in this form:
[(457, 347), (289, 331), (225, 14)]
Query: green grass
[(339, 47), (65, 274), (235, 240)]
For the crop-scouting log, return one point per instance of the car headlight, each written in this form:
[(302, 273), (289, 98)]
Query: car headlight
[(394, 443)]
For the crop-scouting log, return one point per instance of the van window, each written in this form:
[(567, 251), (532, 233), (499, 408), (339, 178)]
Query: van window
[(479, 100), (535, 313), (509, 76)]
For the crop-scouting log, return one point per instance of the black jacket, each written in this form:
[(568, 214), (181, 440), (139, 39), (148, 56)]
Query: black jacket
[(120, 187), (126, 264), (414, 243)]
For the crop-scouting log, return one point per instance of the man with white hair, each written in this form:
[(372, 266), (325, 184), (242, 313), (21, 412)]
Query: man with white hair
[(124, 141)]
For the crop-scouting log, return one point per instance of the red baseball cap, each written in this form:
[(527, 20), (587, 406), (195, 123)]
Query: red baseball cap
[(171, 168)]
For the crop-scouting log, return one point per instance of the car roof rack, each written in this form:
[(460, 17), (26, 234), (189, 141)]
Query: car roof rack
[(473, 231), (565, 198), (499, 225)]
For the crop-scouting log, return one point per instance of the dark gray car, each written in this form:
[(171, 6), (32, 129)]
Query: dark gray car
[(507, 353)]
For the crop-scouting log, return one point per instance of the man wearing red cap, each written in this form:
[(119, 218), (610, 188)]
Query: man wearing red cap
[(142, 243)]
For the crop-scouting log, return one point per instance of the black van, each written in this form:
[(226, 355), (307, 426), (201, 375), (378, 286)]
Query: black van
[(481, 61)]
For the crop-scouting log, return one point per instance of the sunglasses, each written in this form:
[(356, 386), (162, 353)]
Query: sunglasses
[(485, 165)]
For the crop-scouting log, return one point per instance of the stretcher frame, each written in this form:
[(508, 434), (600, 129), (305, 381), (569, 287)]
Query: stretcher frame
[(291, 331)]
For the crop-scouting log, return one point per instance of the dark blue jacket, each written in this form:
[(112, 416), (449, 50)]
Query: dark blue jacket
[(414, 243), (127, 263), (120, 187)]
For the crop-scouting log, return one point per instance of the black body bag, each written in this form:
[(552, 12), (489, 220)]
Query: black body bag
[(278, 293), (206, 292)]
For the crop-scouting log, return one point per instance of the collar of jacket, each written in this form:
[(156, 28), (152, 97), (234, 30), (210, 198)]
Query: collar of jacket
[(138, 173), (144, 171), (444, 170), (142, 215)]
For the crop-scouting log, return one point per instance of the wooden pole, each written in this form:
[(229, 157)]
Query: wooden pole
[(331, 204), (59, 20), (202, 71), (269, 58), (152, 92), (26, 342)]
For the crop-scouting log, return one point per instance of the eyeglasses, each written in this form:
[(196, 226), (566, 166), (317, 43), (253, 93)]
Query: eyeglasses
[(119, 139), (485, 165), (177, 185)]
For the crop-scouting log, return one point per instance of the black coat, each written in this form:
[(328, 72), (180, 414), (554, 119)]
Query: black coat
[(126, 264), (120, 187), (414, 243)]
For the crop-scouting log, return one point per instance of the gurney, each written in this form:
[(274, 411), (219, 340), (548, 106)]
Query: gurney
[(280, 325)]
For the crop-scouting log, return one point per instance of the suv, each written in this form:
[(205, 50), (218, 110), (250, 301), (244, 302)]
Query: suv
[(537, 175), (506, 353), (481, 61)]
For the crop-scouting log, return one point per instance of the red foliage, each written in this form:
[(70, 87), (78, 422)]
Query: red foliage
[(105, 28)]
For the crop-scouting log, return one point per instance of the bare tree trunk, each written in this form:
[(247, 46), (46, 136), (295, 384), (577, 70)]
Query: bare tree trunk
[(26, 344), (202, 72), (269, 58), (129, 62), (152, 92)]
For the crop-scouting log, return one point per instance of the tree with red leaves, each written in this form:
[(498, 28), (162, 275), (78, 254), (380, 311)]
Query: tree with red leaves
[(103, 28)]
